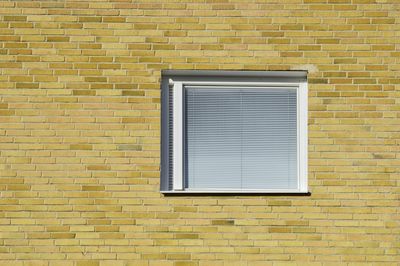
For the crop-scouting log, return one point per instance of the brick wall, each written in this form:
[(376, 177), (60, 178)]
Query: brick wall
[(80, 132)]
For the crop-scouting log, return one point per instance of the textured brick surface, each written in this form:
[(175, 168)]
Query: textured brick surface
[(80, 132)]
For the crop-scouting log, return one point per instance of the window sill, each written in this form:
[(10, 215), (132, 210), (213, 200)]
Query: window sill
[(238, 193)]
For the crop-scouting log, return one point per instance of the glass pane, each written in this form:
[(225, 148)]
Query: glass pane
[(240, 138)]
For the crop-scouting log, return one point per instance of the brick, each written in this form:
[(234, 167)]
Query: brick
[(58, 39), (87, 263), (309, 47), (97, 167), (133, 147), (84, 92), (133, 93), (222, 222), (14, 18), (186, 236), (80, 147), (89, 19)]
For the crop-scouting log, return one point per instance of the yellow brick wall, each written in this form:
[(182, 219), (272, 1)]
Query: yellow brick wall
[(80, 132)]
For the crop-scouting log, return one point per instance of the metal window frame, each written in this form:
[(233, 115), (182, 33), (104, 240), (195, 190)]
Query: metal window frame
[(263, 79)]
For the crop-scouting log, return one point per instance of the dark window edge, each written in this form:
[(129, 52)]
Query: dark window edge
[(197, 194)]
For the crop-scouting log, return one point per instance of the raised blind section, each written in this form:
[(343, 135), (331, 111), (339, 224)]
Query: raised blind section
[(240, 138)]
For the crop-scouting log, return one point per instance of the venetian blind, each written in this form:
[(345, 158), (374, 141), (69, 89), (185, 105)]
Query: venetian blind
[(240, 138)]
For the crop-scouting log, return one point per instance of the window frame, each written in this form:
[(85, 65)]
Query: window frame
[(263, 79)]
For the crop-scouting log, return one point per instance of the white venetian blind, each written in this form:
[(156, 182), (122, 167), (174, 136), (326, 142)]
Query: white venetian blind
[(240, 138)]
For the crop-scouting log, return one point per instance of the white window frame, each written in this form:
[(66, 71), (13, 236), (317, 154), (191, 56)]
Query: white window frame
[(178, 86)]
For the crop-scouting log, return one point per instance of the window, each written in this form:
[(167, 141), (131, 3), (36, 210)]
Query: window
[(234, 132)]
